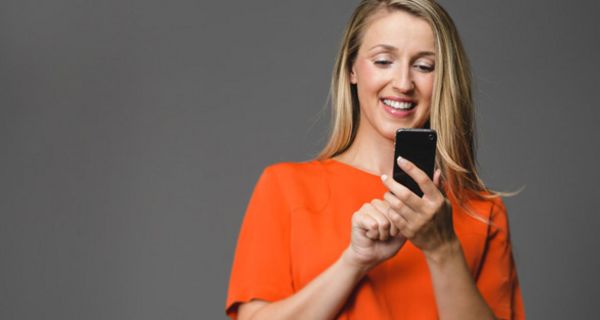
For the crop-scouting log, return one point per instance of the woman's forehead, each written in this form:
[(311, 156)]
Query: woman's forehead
[(397, 28)]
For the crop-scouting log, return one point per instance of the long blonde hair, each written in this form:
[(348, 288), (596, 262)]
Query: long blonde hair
[(451, 112)]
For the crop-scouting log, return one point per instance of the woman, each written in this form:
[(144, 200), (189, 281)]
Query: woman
[(329, 239)]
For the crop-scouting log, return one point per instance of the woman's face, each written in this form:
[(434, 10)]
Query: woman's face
[(394, 72)]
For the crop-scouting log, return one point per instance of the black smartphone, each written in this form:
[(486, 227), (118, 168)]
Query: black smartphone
[(417, 146)]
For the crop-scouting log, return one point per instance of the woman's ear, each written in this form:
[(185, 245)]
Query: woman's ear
[(353, 76)]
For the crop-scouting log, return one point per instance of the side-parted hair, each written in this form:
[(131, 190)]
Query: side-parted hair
[(451, 112)]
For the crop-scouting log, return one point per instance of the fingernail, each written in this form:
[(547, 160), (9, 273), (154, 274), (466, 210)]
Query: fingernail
[(401, 160), (383, 177)]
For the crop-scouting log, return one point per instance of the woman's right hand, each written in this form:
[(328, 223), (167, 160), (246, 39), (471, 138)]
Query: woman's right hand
[(374, 237)]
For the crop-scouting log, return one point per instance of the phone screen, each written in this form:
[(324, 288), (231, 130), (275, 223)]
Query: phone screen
[(418, 146)]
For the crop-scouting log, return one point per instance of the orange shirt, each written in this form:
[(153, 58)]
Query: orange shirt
[(298, 223)]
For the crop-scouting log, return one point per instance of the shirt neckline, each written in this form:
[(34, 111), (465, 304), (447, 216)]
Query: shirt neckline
[(352, 168)]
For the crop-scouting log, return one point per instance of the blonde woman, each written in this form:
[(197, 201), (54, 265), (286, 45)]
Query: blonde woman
[(335, 237)]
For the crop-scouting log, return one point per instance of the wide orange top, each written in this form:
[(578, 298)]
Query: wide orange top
[(298, 223)]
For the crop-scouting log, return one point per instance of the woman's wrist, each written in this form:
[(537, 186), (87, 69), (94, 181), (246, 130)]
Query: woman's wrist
[(350, 261), (444, 252)]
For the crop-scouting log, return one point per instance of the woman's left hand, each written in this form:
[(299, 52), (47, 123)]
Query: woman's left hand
[(426, 221)]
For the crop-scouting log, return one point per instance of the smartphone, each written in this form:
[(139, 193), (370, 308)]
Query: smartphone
[(417, 146)]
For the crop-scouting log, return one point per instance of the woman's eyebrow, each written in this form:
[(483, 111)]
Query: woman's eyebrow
[(425, 54), (384, 46), (388, 47)]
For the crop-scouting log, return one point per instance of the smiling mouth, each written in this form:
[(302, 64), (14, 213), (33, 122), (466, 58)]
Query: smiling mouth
[(398, 105)]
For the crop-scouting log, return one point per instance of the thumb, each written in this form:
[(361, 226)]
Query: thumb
[(436, 177)]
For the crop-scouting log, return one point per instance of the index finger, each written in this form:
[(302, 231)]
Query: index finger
[(420, 177), (384, 208)]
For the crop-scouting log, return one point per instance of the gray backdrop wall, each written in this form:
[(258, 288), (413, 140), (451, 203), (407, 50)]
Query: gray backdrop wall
[(132, 133)]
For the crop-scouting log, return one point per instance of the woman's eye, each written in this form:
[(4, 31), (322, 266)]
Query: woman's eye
[(383, 62), (424, 67)]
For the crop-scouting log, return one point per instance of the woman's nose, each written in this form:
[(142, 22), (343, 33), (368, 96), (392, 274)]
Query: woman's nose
[(403, 80)]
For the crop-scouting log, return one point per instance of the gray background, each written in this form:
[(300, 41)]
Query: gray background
[(132, 134)]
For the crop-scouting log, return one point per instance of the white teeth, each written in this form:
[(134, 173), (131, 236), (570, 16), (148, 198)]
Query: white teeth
[(398, 104)]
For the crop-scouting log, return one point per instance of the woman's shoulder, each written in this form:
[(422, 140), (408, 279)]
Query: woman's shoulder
[(303, 169), (302, 183), (488, 206), (310, 172)]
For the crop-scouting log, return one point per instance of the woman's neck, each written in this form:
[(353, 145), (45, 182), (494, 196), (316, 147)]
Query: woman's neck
[(370, 152)]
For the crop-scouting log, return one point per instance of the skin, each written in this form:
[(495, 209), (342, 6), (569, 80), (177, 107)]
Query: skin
[(395, 59), (392, 61)]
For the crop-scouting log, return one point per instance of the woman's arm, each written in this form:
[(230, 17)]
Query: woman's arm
[(374, 239), (427, 223), (322, 298), (456, 294)]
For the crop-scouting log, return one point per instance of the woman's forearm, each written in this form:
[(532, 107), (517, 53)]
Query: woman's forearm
[(456, 294), (322, 298)]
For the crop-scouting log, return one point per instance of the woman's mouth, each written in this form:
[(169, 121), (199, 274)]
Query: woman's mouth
[(399, 105), (398, 108)]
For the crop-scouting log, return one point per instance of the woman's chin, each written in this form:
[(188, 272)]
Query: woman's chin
[(391, 128), (389, 132)]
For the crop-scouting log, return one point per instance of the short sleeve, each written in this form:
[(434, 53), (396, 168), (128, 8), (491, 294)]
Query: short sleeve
[(261, 265), (497, 280)]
